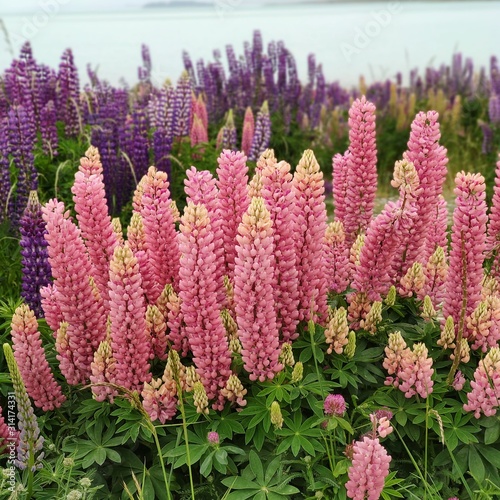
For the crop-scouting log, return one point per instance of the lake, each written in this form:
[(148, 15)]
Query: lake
[(373, 39)]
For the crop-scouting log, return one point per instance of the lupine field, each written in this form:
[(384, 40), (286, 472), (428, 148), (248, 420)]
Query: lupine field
[(243, 285)]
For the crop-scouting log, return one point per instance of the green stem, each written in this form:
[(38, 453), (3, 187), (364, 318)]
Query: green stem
[(417, 468), (464, 482), (160, 456), (186, 439), (461, 324), (312, 330), (426, 438), (29, 468)]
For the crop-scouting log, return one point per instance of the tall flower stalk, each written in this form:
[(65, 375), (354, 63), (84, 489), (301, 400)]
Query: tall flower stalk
[(36, 270), (254, 282), (30, 357), (468, 243), (29, 448), (199, 306)]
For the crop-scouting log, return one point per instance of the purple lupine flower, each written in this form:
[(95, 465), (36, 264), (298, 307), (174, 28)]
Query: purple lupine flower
[(262, 134), (134, 142), (494, 75), (22, 138), (182, 107), (36, 270), (257, 51), (226, 139), (162, 147), (494, 109), (319, 97), (487, 138), (48, 129), (271, 91), (4, 169), (188, 66), (69, 94), (293, 88), (282, 67), (144, 71)]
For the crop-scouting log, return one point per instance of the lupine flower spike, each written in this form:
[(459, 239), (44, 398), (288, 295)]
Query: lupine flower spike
[(36, 270), (254, 281), (81, 308), (484, 397), (129, 341), (199, 306), (370, 467), (30, 357), (310, 215), (361, 165)]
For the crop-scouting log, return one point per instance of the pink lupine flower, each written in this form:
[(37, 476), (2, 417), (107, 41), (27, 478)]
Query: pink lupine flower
[(371, 276), (103, 372), (412, 283), (50, 305), (159, 230), (429, 159), (381, 424), (81, 309), (279, 198), (484, 397), (493, 242), (199, 134), (135, 233), (337, 257), (416, 372), (437, 235), (254, 282), (158, 401), (93, 219), (468, 243), (361, 175), (64, 355), (339, 185), (310, 216), (233, 200), (198, 295), (395, 351), (337, 330), (169, 305), (334, 404), (248, 131), (201, 187), (435, 272), (30, 357), (156, 327), (383, 237), (9, 436), (483, 325), (370, 467), (129, 341), (199, 108), (458, 381)]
